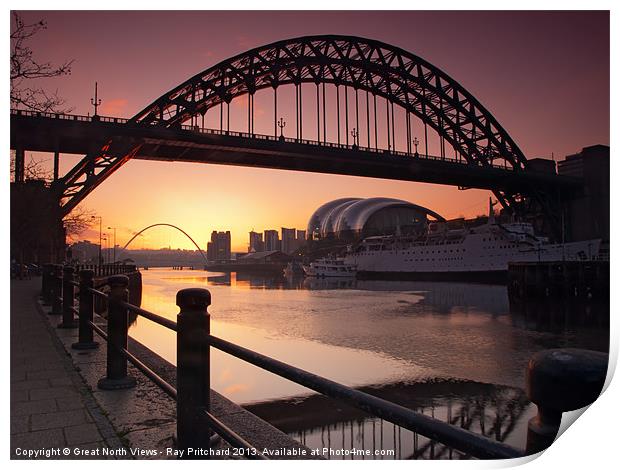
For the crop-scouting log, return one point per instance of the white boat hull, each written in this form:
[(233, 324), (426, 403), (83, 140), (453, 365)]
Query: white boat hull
[(312, 272), (477, 253)]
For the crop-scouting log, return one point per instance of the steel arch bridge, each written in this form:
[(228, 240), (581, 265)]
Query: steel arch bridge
[(137, 234), (372, 68)]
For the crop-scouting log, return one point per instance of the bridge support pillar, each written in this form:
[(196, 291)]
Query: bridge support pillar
[(56, 164)]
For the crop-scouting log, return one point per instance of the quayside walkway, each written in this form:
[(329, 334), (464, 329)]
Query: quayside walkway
[(51, 407), (57, 403)]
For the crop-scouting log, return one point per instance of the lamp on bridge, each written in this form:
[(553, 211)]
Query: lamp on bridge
[(416, 142), (95, 102), (281, 125), (355, 135)]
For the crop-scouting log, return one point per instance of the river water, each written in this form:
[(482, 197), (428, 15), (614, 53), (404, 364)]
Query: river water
[(456, 351)]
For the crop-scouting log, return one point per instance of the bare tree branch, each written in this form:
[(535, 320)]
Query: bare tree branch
[(78, 220), (33, 169), (25, 68)]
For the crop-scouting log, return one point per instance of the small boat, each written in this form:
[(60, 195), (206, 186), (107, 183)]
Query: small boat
[(330, 267)]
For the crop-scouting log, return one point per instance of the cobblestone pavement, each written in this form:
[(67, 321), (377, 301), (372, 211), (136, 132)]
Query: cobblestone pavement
[(51, 408)]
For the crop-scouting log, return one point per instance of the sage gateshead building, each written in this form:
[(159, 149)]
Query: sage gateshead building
[(355, 218)]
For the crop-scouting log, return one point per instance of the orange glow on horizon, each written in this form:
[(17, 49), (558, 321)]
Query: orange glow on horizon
[(202, 198)]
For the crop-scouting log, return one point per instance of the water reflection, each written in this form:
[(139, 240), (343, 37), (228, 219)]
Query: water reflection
[(369, 332), (494, 411)]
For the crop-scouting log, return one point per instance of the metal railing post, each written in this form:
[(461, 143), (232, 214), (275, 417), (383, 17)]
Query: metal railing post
[(116, 373), (56, 289), (560, 380), (46, 283), (68, 299), (85, 338), (193, 369)]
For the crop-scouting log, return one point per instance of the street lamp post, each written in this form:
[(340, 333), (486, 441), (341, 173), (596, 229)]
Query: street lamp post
[(100, 219), (107, 252), (114, 249)]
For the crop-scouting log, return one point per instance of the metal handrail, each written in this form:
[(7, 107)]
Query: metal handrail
[(163, 321), (98, 293), (231, 436)]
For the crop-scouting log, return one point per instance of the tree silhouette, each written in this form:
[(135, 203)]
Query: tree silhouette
[(25, 69), (35, 221)]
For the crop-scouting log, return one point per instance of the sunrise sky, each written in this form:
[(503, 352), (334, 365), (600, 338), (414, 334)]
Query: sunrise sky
[(544, 76)]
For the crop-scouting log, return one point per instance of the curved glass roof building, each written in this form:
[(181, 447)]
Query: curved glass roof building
[(349, 218)]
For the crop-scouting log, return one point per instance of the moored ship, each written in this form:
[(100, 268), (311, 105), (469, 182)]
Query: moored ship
[(483, 250)]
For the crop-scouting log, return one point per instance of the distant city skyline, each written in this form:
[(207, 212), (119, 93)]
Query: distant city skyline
[(218, 239), (539, 85)]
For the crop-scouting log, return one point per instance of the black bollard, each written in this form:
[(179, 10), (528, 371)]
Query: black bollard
[(560, 380), (68, 299), (193, 370), (56, 289), (116, 374), (85, 339), (46, 283)]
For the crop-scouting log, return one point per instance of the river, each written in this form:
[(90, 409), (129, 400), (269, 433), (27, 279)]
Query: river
[(457, 351)]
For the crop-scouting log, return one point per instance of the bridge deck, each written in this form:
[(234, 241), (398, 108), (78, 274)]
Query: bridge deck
[(81, 134)]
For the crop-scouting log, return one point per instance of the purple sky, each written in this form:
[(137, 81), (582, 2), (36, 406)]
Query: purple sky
[(544, 75)]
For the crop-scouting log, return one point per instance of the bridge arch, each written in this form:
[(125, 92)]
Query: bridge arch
[(167, 225), (402, 79), (368, 65)]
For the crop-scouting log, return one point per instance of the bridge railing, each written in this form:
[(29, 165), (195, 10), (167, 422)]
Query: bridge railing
[(108, 269), (247, 135), (557, 380), (318, 143), (69, 117)]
